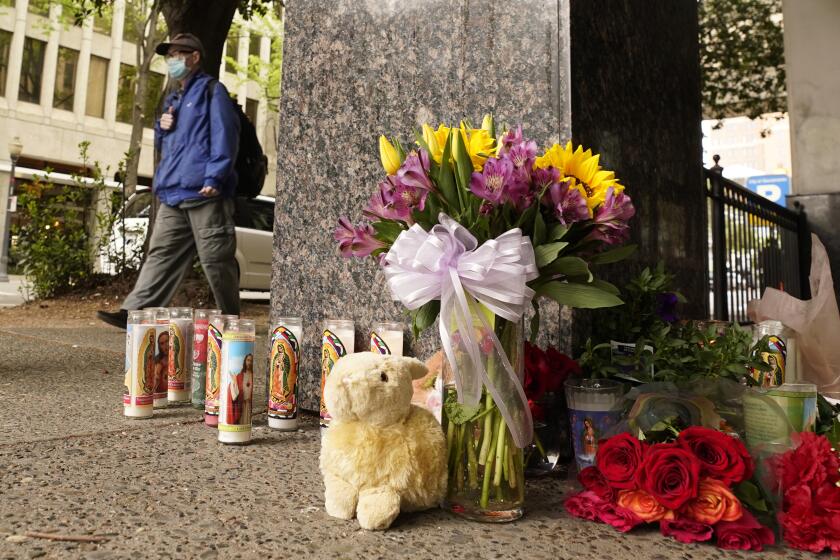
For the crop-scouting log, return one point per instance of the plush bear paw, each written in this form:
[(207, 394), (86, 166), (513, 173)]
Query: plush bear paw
[(377, 508), (340, 498)]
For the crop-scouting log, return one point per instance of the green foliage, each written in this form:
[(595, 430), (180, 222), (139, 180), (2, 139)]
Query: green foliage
[(52, 247), (266, 74), (742, 58)]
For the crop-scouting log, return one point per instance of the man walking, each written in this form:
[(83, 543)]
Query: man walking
[(198, 138)]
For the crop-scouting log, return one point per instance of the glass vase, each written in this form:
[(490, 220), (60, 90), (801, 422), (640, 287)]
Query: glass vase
[(486, 468)]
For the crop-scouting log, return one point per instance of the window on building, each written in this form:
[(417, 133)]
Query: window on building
[(125, 95), (254, 45), (232, 48), (251, 108), (5, 43), (32, 67), (65, 78), (97, 79)]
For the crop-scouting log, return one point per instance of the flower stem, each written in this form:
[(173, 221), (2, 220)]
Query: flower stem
[(512, 482), (485, 483), (487, 432), (472, 460), (500, 447)]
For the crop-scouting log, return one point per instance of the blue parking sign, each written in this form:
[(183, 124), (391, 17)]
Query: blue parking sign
[(772, 187)]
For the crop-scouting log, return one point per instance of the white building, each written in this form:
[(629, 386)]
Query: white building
[(61, 84), (748, 147)]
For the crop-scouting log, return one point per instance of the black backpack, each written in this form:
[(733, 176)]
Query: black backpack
[(251, 164)]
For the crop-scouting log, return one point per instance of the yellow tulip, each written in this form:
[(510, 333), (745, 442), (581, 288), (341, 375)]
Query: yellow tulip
[(389, 155), (489, 124), (435, 149)]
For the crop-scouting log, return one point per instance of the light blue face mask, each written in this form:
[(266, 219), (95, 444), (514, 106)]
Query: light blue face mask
[(177, 68)]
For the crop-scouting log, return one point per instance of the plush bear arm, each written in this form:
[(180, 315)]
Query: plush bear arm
[(340, 497), (378, 507)]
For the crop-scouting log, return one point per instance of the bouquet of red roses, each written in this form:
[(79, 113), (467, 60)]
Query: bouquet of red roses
[(685, 485), (807, 479), (545, 372)]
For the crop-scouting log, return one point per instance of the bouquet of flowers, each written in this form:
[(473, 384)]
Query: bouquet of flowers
[(807, 480), (686, 485), (473, 226)]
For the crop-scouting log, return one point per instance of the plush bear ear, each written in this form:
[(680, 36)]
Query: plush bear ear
[(415, 367)]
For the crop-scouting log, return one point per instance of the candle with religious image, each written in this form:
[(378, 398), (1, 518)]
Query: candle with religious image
[(236, 392), (161, 319), (386, 337), (215, 328), (138, 395), (337, 341), (180, 353), (201, 320), (283, 364)]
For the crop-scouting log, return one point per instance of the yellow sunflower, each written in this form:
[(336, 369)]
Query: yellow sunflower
[(582, 169)]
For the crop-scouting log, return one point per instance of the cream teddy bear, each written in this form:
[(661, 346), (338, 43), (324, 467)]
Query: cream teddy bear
[(380, 454)]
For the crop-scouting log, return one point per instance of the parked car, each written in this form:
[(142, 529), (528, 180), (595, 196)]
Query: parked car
[(254, 219)]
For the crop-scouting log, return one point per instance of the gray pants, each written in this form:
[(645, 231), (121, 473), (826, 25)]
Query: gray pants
[(177, 234)]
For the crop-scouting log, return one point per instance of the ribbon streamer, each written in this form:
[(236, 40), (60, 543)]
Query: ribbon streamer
[(446, 263)]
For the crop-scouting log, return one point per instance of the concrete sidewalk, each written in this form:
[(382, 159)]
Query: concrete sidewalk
[(70, 464)]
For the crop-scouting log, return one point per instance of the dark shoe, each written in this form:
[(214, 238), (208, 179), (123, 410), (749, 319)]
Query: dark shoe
[(117, 319)]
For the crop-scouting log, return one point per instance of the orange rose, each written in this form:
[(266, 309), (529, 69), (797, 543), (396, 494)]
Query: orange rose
[(643, 505), (714, 502)]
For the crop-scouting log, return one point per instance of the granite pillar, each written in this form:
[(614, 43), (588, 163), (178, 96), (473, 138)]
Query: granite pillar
[(635, 99), (353, 70)]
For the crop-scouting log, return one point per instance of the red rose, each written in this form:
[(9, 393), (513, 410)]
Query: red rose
[(685, 530), (812, 463), (827, 500), (618, 517), (721, 456), (670, 474), (745, 534), (619, 458), (592, 479), (562, 367), (585, 505), (536, 371)]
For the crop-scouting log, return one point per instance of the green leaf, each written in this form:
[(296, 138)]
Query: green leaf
[(445, 179), (557, 232), (424, 317), (606, 286), (463, 164), (585, 296), (539, 229), (571, 267), (387, 231), (750, 494), (615, 255), (459, 413), (547, 253)]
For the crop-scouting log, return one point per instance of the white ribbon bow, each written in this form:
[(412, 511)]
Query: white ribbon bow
[(447, 264)]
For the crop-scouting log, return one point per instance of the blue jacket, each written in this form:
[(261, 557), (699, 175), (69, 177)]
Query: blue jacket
[(200, 150)]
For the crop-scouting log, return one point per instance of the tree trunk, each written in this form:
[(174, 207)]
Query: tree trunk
[(209, 21)]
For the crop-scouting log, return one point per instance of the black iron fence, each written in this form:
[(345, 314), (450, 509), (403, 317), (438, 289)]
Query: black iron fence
[(753, 244)]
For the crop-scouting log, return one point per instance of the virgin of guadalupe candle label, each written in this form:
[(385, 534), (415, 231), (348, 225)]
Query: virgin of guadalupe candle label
[(776, 358), (127, 367), (332, 348), (177, 357), (140, 379), (237, 383), (162, 361), (378, 344), (214, 367), (285, 356), (588, 428), (199, 363)]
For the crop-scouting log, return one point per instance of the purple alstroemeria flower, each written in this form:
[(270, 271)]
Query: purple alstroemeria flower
[(523, 155), (544, 178), (356, 241), (666, 307), (415, 171), (568, 204), (491, 183), (511, 138), (381, 205), (408, 198), (612, 217), (520, 192)]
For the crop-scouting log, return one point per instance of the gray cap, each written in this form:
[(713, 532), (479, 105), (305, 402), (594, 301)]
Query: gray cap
[(187, 41)]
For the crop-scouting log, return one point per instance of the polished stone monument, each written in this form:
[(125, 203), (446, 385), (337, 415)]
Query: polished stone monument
[(354, 69)]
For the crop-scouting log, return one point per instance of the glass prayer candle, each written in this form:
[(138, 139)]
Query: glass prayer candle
[(386, 337), (201, 320), (180, 353), (236, 392), (337, 341), (215, 328), (161, 319), (138, 395), (284, 364)]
